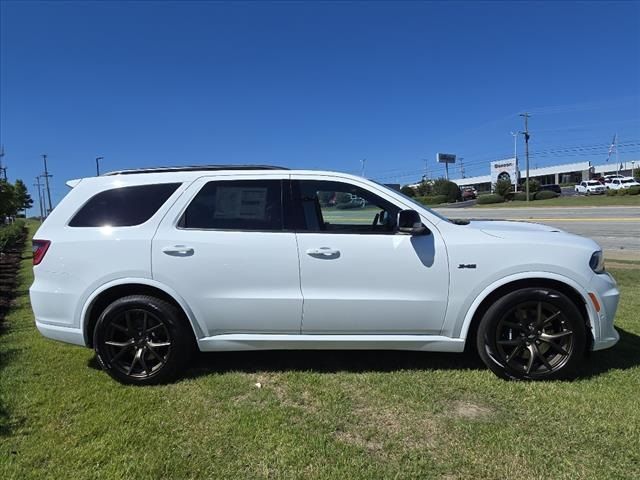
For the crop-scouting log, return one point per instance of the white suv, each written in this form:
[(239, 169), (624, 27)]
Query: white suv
[(622, 183), (147, 266), (591, 187)]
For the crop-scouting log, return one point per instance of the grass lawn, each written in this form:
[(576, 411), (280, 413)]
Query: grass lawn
[(345, 415), (573, 201)]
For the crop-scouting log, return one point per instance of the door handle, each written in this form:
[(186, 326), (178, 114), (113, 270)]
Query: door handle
[(326, 252), (178, 251)]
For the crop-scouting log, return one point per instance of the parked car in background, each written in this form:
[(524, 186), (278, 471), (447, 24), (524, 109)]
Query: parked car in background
[(469, 193), (552, 187), (622, 183), (148, 266), (590, 187)]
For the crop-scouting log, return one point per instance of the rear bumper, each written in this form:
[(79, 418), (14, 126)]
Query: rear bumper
[(62, 334)]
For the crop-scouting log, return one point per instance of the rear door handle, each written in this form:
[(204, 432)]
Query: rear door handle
[(178, 251), (326, 252)]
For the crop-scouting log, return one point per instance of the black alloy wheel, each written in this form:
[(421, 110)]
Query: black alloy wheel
[(142, 340), (532, 334)]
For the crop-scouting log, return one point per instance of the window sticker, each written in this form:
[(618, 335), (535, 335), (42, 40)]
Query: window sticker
[(241, 202)]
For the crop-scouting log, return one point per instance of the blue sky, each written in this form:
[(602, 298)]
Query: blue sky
[(314, 85)]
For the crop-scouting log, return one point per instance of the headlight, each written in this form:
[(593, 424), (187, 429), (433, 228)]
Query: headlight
[(597, 262)]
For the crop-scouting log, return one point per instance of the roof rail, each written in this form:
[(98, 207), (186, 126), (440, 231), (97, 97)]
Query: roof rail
[(193, 168)]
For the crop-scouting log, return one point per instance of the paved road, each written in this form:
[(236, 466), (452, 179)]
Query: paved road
[(614, 228)]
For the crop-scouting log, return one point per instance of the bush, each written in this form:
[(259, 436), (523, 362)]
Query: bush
[(432, 199), (447, 188), (408, 191), (490, 198), (11, 234), (521, 196), (634, 191), (611, 193), (622, 192), (534, 186), (503, 188), (545, 195)]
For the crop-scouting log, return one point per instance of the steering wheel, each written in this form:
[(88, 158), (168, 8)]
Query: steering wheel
[(375, 220)]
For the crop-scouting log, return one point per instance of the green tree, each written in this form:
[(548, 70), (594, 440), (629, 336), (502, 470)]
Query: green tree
[(408, 191), (22, 198), (424, 188), (7, 200), (503, 188), (449, 189)]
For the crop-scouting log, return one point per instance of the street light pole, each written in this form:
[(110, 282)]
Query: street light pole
[(98, 165), (46, 181)]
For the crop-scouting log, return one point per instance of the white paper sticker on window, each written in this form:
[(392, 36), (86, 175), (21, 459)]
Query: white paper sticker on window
[(241, 202)]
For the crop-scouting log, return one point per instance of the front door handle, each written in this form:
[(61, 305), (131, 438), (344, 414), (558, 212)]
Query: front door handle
[(178, 251), (323, 252)]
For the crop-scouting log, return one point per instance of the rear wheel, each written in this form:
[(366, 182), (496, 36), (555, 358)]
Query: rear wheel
[(142, 340), (533, 334)]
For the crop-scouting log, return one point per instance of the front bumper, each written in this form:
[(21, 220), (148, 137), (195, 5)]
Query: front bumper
[(606, 291)]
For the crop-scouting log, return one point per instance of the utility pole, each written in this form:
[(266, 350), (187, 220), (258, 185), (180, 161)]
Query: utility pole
[(3, 170), (461, 167), (515, 156), (425, 176), (46, 181), (526, 148), (362, 162), (98, 165), (617, 158), (38, 185)]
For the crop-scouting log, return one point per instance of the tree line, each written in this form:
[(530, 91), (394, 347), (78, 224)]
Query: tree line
[(14, 199)]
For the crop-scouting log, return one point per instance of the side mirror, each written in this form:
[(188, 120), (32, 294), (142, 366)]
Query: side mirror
[(409, 222)]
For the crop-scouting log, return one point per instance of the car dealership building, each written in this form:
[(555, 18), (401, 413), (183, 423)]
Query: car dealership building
[(507, 169)]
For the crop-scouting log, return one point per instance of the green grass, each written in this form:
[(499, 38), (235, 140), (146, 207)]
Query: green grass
[(318, 415), (573, 201)]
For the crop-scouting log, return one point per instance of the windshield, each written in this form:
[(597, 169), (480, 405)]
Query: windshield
[(413, 201), (593, 183)]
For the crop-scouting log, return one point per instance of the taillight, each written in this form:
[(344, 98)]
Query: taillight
[(40, 247)]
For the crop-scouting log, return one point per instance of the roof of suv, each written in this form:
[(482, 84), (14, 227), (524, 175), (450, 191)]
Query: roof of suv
[(194, 168)]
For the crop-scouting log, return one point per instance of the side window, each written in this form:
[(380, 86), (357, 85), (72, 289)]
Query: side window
[(337, 207), (123, 207), (236, 205)]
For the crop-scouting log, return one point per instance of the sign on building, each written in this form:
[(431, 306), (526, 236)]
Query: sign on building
[(504, 170)]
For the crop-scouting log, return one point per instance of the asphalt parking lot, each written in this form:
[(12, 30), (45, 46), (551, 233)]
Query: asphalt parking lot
[(616, 229)]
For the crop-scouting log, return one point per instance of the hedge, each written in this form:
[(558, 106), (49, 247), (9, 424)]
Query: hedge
[(11, 234), (634, 191), (521, 196), (622, 192), (432, 199), (545, 195), (611, 193), (490, 198)]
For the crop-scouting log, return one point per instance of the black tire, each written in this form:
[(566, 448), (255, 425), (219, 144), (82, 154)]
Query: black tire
[(142, 340), (538, 323)]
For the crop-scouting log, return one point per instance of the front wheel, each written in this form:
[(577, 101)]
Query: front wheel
[(142, 340), (532, 334)]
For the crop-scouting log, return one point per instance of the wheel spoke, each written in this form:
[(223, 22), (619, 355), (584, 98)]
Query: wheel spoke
[(130, 329), (539, 321), (154, 353), (133, 362), (128, 343), (159, 344), (555, 346), (119, 327), (514, 353), (143, 361), (547, 337), (532, 357), (144, 323), (552, 317), (121, 352), (521, 315), (155, 327), (542, 357)]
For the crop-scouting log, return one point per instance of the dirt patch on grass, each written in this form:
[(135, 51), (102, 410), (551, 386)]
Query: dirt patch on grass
[(471, 411)]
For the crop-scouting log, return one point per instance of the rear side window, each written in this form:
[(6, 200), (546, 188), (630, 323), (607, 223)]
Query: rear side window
[(236, 205), (123, 207)]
